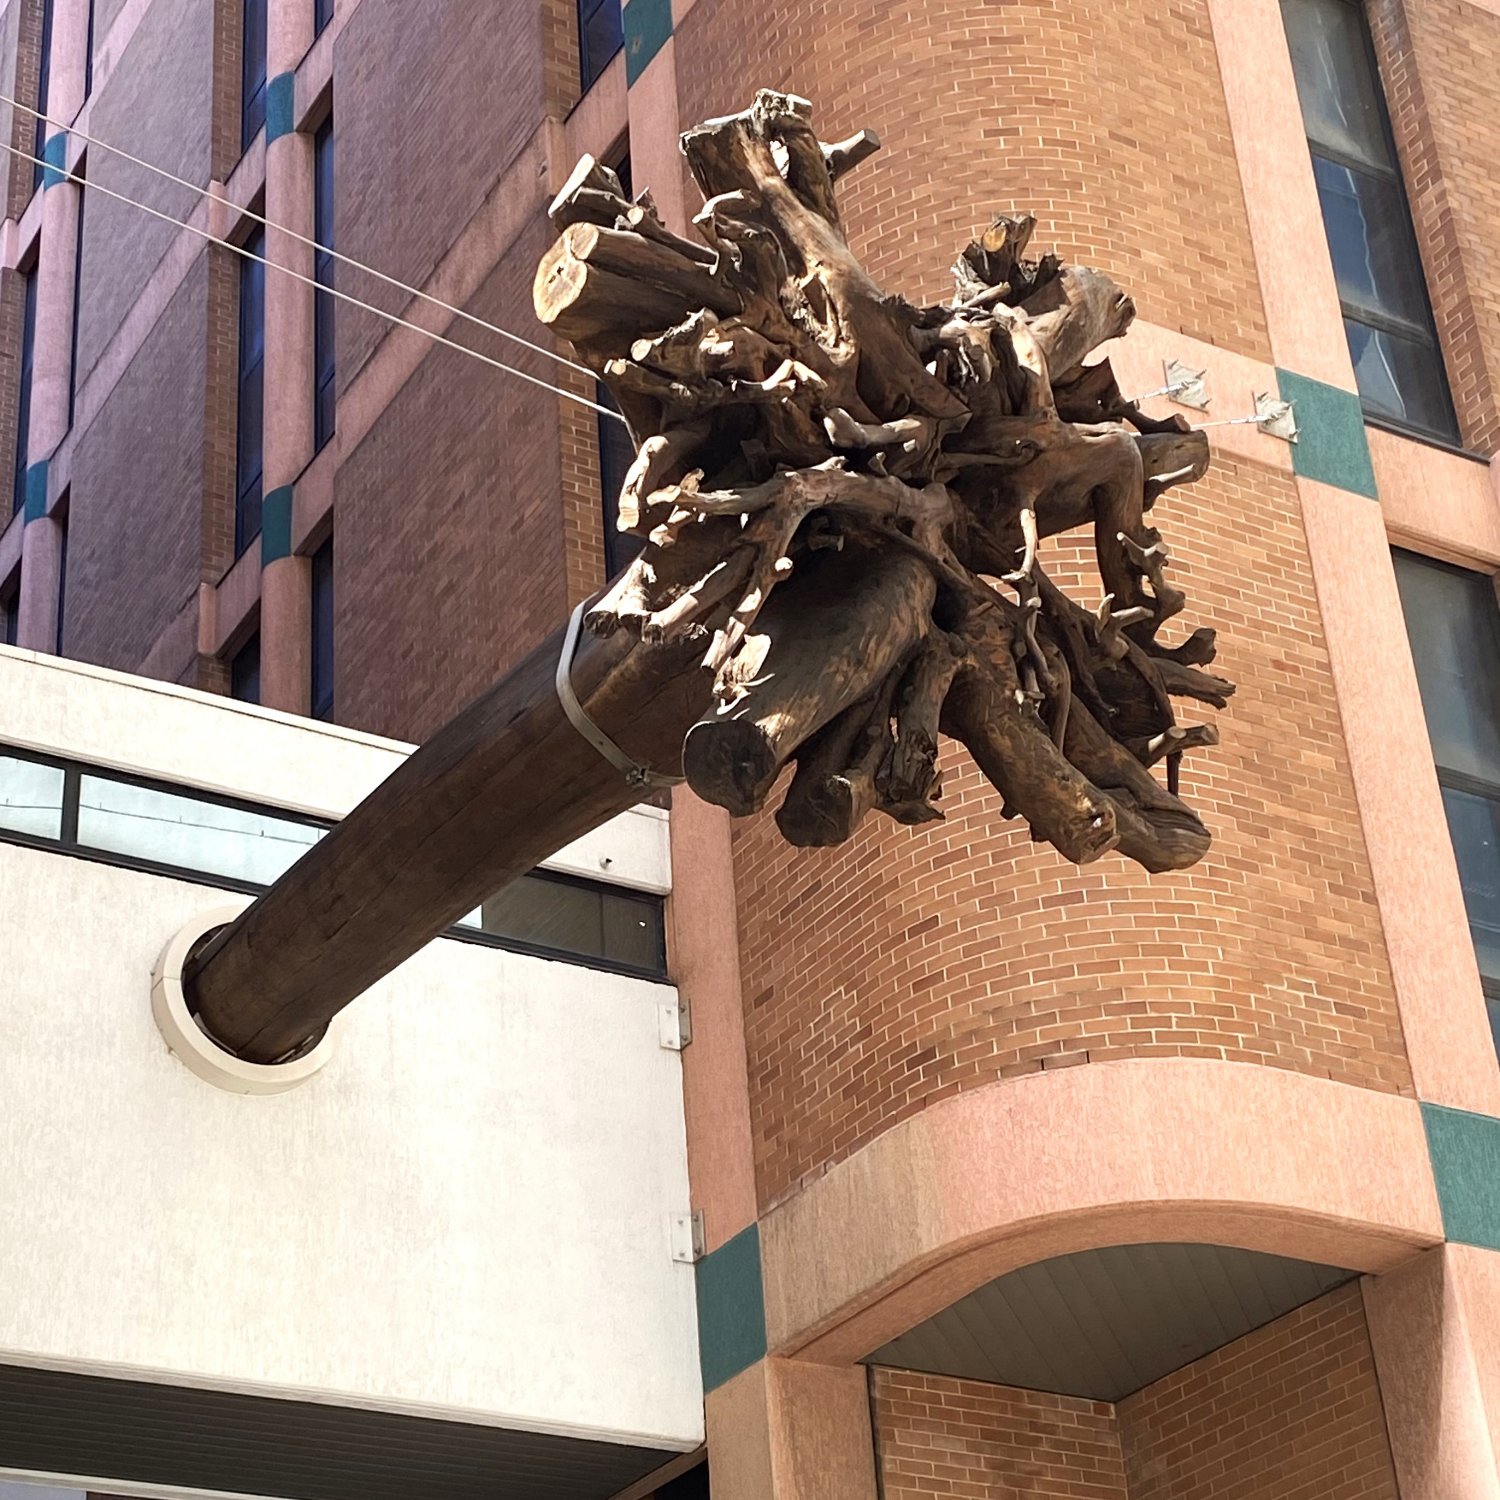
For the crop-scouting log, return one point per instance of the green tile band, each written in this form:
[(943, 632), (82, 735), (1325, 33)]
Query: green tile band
[(648, 24), (36, 491), (1465, 1152), (55, 155), (281, 106), (1331, 446), (276, 526), (731, 1309)]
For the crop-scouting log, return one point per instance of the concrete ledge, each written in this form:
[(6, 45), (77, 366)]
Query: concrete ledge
[(1112, 1153)]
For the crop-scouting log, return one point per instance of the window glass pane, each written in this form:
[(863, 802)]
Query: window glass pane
[(1474, 823), (616, 454), (244, 672), (542, 912), (601, 34), (1451, 617), (172, 830), (1336, 80), (1400, 378), (1374, 254), (322, 624), (31, 798)]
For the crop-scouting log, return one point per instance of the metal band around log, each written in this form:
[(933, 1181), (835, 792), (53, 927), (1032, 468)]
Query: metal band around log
[(634, 773)]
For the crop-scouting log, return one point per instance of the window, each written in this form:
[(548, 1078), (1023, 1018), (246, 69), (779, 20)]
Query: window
[(119, 819), (1387, 315), (1453, 619), (77, 312), (43, 89), (10, 612), (690, 1486), (61, 522), (88, 55), (244, 672), (23, 401), (324, 349), (322, 15), (616, 454), (322, 631), (253, 76), (601, 33), (247, 492)]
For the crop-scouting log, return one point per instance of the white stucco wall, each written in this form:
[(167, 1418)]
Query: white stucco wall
[(465, 1214), (217, 745)]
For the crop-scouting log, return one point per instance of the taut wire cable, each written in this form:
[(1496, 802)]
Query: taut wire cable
[(292, 234), (331, 291)]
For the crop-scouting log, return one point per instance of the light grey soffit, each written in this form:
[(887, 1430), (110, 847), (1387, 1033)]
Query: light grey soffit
[(1104, 1323)]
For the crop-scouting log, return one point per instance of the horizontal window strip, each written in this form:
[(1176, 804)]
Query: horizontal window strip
[(67, 807)]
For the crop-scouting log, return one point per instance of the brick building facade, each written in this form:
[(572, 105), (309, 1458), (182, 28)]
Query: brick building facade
[(926, 1063)]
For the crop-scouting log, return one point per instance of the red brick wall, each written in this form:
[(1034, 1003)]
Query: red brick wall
[(935, 1436), (1290, 1412), (450, 563), (907, 965), (1073, 111), (157, 103), (429, 116), (1438, 59), (135, 520)]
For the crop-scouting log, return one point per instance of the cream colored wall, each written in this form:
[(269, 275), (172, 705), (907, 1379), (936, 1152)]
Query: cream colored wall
[(466, 1213)]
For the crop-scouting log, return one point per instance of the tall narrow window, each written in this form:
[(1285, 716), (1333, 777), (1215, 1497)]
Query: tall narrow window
[(88, 55), (43, 89), (325, 396), (601, 33), (1387, 315), (322, 631), (253, 77), (322, 15), (23, 400), (1453, 619), (616, 454), (77, 311), (62, 575), (247, 494), (244, 672), (10, 612)]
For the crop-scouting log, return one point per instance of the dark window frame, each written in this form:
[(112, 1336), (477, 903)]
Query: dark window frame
[(1390, 173), (325, 346), (77, 308), (1448, 778), (67, 845), (595, 57), (250, 376), (23, 388), (324, 694), (255, 22), (43, 92)]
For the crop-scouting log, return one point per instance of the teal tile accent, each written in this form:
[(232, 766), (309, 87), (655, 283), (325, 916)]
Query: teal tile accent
[(281, 106), (36, 491), (1331, 446), (55, 154), (276, 526), (731, 1309), (1465, 1151), (648, 24)]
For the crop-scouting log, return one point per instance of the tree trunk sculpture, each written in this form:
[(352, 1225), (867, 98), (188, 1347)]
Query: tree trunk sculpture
[(843, 496)]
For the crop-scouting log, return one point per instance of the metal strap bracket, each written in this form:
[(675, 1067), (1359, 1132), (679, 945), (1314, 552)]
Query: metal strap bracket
[(635, 774)]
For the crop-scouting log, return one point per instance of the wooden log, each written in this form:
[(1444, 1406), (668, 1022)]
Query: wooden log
[(598, 284), (506, 784), (831, 635)]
